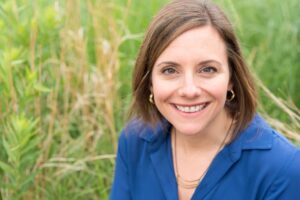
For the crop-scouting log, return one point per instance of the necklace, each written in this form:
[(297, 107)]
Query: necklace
[(191, 184)]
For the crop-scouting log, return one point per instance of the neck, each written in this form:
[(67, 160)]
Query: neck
[(204, 141)]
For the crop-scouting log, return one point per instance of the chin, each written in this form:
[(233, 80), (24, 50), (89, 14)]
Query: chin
[(189, 131)]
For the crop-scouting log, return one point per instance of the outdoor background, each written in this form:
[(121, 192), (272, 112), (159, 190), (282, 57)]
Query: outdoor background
[(65, 75)]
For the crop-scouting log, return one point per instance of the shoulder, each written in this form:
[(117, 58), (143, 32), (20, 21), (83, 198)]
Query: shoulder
[(285, 155), (270, 152), (260, 136), (138, 130), (138, 134), (267, 151), (268, 158), (285, 184), (293, 167)]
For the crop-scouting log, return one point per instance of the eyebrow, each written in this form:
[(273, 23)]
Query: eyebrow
[(210, 61), (167, 63), (200, 63)]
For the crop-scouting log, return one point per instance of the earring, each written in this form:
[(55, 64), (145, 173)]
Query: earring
[(230, 95), (151, 98)]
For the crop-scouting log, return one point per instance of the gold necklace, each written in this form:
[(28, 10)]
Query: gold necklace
[(191, 184)]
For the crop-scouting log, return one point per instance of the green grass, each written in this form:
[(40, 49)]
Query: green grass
[(65, 69)]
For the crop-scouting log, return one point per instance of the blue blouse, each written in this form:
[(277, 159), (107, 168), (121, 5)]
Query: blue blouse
[(259, 164)]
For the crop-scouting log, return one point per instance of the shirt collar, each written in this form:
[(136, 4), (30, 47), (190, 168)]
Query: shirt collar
[(155, 133), (257, 135)]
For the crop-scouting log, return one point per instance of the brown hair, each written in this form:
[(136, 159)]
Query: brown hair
[(174, 19)]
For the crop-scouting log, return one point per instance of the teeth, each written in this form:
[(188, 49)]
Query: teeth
[(190, 109)]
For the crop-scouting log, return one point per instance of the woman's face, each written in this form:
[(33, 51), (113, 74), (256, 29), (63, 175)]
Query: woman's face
[(190, 80)]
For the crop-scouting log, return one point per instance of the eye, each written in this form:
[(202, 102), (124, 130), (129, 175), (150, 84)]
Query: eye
[(168, 70), (208, 69)]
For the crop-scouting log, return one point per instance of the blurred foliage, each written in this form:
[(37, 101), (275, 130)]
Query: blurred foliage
[(65, 67)]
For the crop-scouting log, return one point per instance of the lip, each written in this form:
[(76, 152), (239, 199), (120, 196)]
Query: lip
[(189, 105), (190, 114)]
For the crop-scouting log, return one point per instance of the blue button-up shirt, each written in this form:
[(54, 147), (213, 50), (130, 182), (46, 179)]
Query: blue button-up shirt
[(259, 164)]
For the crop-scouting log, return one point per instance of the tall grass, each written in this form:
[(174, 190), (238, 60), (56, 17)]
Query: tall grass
[(65, 70), (270, 36), (59, 108)]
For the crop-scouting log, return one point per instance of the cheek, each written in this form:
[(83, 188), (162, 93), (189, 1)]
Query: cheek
[(217, 88), (162, 90)]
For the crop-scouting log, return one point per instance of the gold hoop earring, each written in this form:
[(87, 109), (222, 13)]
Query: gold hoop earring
[(151, 98), (230, 95)]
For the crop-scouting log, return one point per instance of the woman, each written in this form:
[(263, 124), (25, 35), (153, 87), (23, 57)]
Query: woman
[(195, 133)]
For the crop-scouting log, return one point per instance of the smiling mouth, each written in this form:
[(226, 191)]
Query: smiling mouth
[(191, 109)]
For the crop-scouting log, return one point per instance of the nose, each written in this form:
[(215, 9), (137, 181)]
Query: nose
[(189, 87)]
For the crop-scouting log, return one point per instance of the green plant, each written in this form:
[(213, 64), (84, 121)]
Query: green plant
[(20, 144), (65, 70)]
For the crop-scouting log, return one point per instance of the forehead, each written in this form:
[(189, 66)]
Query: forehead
[(201, 42)]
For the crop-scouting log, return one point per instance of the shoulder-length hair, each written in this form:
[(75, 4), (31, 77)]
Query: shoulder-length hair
[(174, 19)]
